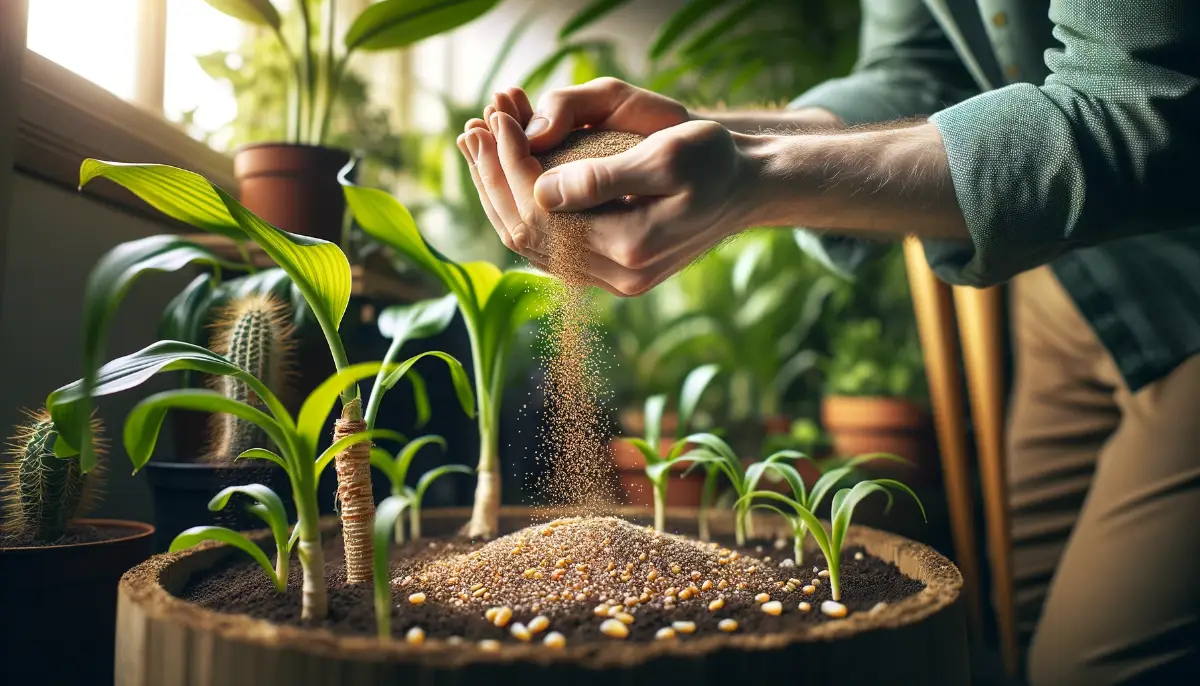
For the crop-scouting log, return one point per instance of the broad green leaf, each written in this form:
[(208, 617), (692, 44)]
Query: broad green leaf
[(519, 296), (382, 532), (353, 439), (482, 277), (434, 474), (846, 500), (588, 15), (680, 23), (656, 472), (109, 281), (260, 12), (420, 398), (263, 454), (830, 479), (144, 422), (183, 318), (755, 471), (199, 534), (694, 385), (652, 417), (271, 511), (458, 376), (397, 23), (71, 403), (405, 457), (317, 406), (318, 268), (419, 320), (710, 461)]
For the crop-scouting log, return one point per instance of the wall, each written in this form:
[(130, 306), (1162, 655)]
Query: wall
[(54, 238)]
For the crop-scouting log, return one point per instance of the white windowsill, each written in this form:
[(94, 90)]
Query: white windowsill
[(64, 118)]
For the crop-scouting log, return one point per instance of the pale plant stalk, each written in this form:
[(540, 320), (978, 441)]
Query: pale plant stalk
[(414, 519), (400, 535), (485, 514), (660, 505), (314, 600), (707, 495)]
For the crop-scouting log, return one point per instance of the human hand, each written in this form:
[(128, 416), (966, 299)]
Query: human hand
[(691, 182)]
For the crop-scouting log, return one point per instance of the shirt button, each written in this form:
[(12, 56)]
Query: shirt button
[(1000, 19)]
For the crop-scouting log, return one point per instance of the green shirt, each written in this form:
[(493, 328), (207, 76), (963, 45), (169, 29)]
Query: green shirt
[(1070, 137)]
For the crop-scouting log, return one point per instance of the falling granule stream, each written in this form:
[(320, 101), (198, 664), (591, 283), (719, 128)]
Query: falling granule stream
[(574, 435)]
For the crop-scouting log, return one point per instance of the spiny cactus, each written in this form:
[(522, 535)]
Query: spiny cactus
[(255, 334), (42, 492)]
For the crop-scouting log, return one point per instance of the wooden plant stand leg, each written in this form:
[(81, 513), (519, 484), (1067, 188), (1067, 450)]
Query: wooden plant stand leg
[(939, 344), (980, 321)]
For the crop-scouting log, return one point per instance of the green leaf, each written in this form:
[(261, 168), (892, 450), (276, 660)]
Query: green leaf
[(722, 28), (718, 447), (260, 12), (830, 479), (109, 281), (657, 471), (318, 268), (755, 471), (436, 473), (144, 422), (694, 385), (649, 453), (420, 398), (70, 404), (382, 532), (262, 454), (397, 23), (183, 318), (679, 24), (458, 376), (746, 264), (405, 457), (271, 511), (199, 534), (681, 332), (832, 553), (382, 460), (517, 297), (652, 416), (353, 439), (419, 320), (588, 15), (317, 406)]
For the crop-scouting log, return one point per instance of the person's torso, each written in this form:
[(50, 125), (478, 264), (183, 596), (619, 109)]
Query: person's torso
[(1141, 295)]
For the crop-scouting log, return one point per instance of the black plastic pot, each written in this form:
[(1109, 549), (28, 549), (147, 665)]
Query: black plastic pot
[(182, 491)]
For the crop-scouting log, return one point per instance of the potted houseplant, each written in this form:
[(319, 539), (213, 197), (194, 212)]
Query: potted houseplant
[(54, 563), (293, 183)]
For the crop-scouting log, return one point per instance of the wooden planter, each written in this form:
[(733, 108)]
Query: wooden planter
[(164, 640)]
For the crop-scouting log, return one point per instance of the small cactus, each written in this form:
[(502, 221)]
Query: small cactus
[(255, 334), (42, 493)]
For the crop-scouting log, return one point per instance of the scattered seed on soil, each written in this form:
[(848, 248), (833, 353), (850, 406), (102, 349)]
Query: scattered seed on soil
[(489, 645), (762, 598), (809, 589), (416, 598), (727, 625), (539, 624), (858, 556), (555, 640), (415, 636), (824, 573), (664, 634), (804, 607), (773, 607), (614, 628), (520, 632), (833, 608), (716, 605)]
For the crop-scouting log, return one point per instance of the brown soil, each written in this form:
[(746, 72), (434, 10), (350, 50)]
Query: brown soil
[(240, 586)]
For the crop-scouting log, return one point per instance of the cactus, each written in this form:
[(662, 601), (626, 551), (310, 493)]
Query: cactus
[(43, 492), (255, 334)]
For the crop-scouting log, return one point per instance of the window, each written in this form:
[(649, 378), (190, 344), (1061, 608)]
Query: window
[(143, 51)]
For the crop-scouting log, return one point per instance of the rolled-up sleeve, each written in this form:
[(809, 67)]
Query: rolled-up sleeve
[(1104, 149), (906, 68)]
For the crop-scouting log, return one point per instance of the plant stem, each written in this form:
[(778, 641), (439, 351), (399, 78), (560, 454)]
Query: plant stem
[(660, 504), (798, 548), (399, 535), (414, 518), (835, 563), (485, 516), (282, 564), (376, 396), (314, 598), (306, 93), (739, 530), (707, 495)]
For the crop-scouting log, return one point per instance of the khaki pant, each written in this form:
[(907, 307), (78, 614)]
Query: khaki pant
[(1105, 501)]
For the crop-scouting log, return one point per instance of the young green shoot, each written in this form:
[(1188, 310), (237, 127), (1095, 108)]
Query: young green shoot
[(803, 520), (387, 520), (268, 507), (658, 466), (396, 470)]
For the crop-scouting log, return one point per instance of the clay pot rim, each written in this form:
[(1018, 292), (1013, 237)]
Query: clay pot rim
[(137, 530), (140, 587), (283, 144)]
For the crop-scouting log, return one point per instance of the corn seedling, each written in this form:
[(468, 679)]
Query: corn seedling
[(717, 455), (268, 507), (494, 305), (317, 269), (658, 466), (41, 493), (387, 520), (803, 520), (396, 470)]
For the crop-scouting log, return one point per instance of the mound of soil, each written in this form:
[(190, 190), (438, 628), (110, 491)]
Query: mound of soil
[(563, 571)]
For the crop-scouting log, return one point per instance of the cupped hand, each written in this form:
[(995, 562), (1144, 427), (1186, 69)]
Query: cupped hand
[(690, 180)]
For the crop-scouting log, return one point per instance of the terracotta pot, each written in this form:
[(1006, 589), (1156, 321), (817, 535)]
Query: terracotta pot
[(294, 187), (682, 491), (860, 425), (60, 605), (162, 639), (182, 490)]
